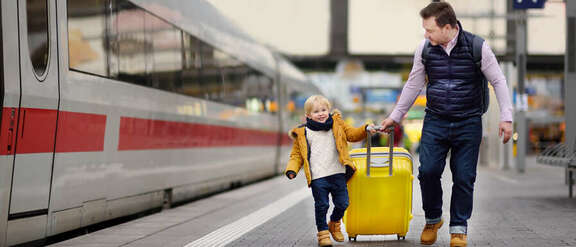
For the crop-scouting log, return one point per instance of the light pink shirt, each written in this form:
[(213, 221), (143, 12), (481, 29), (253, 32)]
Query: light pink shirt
[(416, 81)]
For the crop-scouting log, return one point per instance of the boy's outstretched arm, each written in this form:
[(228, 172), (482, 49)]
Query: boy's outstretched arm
[(295, 162), (354, 134)]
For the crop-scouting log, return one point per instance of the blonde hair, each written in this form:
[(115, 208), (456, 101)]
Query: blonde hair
[(313, 99)]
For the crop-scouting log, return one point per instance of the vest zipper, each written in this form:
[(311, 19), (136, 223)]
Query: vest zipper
[(449, 80)]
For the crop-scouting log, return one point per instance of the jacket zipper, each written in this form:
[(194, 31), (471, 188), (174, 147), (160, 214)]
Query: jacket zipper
[(308, 154)]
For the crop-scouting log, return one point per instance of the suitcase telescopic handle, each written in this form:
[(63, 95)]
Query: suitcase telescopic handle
[(390, 148)]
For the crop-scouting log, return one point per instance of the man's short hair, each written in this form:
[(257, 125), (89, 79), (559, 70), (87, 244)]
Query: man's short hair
[(443, 12), (313, 99)]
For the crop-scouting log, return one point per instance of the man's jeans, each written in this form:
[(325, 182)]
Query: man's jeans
[(321, 187), (462, 137)]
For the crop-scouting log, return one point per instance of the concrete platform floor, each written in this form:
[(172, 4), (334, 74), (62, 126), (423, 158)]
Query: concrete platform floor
[(510, 209)]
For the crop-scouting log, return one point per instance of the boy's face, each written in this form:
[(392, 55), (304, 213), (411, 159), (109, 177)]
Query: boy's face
[(319, 112)]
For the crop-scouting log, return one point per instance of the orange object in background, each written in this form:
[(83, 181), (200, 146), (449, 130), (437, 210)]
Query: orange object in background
[(420, 100), (290, 106), (273, 106)]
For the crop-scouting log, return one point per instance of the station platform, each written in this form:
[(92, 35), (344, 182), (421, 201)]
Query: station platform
[(510, 209)]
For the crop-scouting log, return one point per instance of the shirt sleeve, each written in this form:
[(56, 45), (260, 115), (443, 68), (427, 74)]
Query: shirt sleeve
[(494, 75), (412, 88)]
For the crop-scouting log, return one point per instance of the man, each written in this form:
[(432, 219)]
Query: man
[(453, 121)]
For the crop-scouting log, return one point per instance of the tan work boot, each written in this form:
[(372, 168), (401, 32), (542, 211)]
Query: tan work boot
[(429, 233), (458, 240), (324, 238), (334, 228)]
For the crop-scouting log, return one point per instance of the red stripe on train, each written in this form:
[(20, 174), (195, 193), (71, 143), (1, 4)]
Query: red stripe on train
[(138, 134), (80, 132), (36, 130), (77, 132), (8, 130), (84, 132)]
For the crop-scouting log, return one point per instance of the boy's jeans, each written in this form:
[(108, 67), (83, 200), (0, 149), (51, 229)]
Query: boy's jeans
[(321, 187), (462, 137)]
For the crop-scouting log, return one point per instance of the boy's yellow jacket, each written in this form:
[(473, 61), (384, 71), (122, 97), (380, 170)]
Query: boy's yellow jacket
[(343, 133)]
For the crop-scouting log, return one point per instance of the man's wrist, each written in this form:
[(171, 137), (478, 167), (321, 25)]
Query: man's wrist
[(393, 118)]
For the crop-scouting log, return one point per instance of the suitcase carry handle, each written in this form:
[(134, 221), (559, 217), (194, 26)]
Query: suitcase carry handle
[(390, 148)]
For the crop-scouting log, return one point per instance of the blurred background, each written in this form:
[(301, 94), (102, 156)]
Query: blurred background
[(359, 53)]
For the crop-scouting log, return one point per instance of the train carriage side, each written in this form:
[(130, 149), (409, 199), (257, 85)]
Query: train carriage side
[(139, 71), (127, 106), (29, 117), (10, 93)]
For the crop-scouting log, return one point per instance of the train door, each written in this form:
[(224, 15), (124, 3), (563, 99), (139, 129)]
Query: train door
[(37, 118), (5, 160)]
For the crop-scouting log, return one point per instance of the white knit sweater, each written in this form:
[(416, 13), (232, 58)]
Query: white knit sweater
[(323, 154)]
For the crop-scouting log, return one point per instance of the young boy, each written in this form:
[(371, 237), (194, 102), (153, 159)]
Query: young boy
[(321, 147)]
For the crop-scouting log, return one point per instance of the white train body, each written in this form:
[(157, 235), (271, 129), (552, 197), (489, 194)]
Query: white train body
[(149, 103)]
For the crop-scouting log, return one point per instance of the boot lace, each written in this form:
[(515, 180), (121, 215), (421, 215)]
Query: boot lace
[(335, 226), (429, 226), (458, 235)]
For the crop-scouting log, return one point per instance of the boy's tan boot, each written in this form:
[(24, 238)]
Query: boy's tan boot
[(324, 238), (334, 228), (458, 240), (429, 233)]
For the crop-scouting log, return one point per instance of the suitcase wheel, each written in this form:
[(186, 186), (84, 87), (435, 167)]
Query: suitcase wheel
[(401, 237), (351, 238)]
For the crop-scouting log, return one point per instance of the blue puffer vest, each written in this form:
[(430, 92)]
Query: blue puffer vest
[(454, 88)]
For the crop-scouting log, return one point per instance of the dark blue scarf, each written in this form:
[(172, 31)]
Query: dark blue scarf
[(313, 125)]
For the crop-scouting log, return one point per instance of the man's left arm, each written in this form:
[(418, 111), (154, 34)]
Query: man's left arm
[(494, 75)]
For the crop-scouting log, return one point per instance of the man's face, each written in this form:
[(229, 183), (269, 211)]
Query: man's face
[(437, 35)]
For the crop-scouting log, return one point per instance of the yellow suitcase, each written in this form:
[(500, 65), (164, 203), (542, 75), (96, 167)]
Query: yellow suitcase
[(380, 198)]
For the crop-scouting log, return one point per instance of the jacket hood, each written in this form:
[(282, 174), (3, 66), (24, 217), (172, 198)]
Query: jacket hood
[(293, 133)]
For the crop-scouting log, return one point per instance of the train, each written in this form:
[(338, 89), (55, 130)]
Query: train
[(115, 107)]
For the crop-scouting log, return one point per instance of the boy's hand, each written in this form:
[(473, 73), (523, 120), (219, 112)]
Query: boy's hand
[(372, 129), (290, 174)]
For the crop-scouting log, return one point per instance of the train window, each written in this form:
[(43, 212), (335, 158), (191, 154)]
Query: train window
[(234, 74), (215, 75), (211, 84), (244, 86), (260, 93), (129, 44), (37, 20), (132, 45), (111, 34), (191, 49), (192, 65), (86, 36), (165, 56)]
